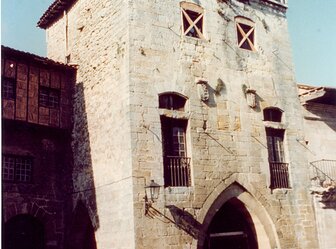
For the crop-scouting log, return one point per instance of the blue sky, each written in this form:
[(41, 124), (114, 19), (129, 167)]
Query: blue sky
[(312, 26)]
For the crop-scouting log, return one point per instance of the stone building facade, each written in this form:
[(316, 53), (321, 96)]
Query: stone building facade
[(319, 111), (199, 96), (36, 152)]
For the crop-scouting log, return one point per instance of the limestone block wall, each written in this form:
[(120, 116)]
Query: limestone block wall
[(320, 137), (233, 147), (98, 44), (56, 40), (128, 52), (320, 126), (325, 220)]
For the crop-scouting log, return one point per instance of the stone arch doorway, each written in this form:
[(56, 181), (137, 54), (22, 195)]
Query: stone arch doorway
[(234, 200), (23, 231), (82, 233), (231, 228)]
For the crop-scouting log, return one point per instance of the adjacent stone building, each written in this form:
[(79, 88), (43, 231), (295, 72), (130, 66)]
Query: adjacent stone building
[(36, 151), (319, 110)]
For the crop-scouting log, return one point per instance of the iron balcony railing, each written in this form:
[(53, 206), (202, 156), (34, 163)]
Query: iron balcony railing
[(177, 171), (279, 175), (324, 171)]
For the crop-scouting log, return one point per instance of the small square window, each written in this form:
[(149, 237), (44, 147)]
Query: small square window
[(16, 168), (8, 88), (192, 18), (272, 114), (49, 97), (8, 168), (245, 34)]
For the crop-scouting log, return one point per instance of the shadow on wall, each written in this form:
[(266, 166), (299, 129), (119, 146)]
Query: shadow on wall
[(84, 218), (185, 221), (326, 115), (180, 218)]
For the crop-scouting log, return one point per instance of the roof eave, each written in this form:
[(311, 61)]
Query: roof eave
[(54, 12)]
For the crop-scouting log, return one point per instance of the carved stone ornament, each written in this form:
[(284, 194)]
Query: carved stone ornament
[(203, 91), (251, 97)]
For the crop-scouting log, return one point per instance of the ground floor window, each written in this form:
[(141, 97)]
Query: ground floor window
[(17, 168)]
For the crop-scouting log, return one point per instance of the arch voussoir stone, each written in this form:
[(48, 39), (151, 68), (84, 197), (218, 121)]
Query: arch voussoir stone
[(235, 188)]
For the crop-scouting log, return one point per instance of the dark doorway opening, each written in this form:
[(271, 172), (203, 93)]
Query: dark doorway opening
[(232, 228), (82, 233), (23, 232)]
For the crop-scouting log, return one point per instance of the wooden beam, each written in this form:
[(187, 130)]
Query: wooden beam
[(227, 234)]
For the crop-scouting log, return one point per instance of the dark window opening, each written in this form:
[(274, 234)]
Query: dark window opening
[(49, 97), (17, 168), (272, 114), (276, 157), (176, 162), (245, 36), (192, 23), (8, 88), (172, 102)]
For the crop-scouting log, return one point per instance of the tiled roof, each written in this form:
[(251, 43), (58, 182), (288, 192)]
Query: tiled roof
[(54, 12), (323, 95), (10, 52)]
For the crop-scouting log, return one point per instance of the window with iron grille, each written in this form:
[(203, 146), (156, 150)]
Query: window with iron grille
[(17, 168), (174, 146), (8, 88), (49, 97), (245, 33), (276, 157), (192, 20), (176, 162)]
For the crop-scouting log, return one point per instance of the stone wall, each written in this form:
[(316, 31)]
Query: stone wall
[(320, 126), (325, 220), (128, 52), (98, 44), (320, 137), (233, 146), (46, 195)]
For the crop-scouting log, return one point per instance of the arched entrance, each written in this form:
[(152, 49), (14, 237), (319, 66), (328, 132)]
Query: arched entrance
[(232, 228), (231, 213), (82, 232), (23, 232)]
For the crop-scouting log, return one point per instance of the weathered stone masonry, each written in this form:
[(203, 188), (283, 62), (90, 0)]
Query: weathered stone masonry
[(130, 52)]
